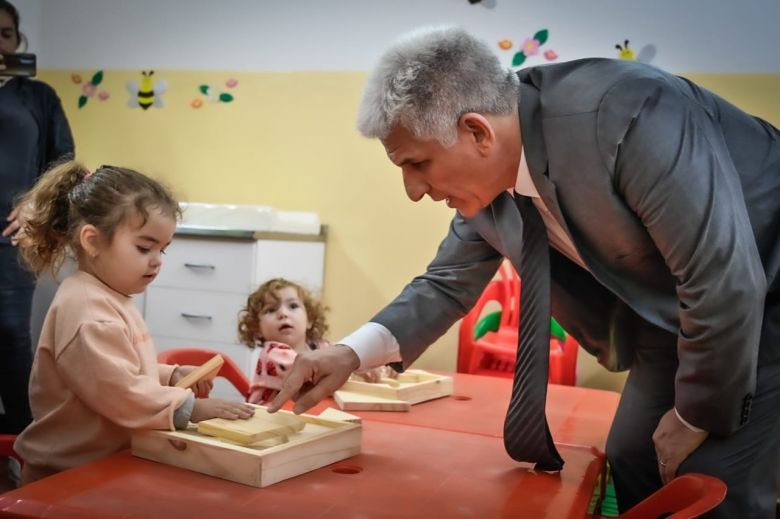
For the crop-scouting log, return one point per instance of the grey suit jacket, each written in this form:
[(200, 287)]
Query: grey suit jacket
[(671, 196)]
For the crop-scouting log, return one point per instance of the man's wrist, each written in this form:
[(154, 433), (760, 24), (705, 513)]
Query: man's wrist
[(354, 360), (687, 424)]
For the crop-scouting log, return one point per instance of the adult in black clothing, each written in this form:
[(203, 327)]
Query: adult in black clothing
[(33, 133)]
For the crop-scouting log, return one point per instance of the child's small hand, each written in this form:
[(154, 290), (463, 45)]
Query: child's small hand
[(201, 388), (207, 408)]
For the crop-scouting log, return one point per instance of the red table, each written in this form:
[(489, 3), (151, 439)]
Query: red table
[(576, 415), (403, 471)]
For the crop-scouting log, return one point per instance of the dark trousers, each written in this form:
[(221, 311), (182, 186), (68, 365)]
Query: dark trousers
[(747, 461), (15, 357)]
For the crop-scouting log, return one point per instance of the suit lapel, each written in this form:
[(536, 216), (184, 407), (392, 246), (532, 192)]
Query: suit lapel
[(529, 108), (509, 225)]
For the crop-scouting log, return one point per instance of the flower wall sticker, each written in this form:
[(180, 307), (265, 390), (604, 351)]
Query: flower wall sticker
[(530, 47), (90, 88), (214, 94)]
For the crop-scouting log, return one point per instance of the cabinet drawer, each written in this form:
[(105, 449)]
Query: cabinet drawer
[(193, 314), (208, 265)]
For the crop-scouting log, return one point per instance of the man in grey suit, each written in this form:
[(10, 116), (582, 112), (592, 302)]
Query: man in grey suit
[(662, 208)]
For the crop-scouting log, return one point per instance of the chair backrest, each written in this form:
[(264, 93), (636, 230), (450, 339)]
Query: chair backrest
[(494, 291), (685, 497), (7, 447), (510, 281), (488, 355), (197, 356)]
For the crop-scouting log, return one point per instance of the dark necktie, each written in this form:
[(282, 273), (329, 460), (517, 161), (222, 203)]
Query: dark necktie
[(526, 433)]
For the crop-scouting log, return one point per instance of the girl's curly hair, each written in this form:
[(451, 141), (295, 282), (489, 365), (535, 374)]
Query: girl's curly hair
[(249, 318)]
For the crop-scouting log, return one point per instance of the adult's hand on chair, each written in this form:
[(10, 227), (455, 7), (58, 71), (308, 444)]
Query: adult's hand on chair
[(315, 375), (16, 221), (674, 442)]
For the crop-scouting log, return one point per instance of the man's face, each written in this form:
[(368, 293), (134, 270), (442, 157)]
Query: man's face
[(463, 175)]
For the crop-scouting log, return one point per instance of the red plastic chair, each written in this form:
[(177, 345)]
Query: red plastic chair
[(494, 353), (685, 497), (7, 447), (197, 356)]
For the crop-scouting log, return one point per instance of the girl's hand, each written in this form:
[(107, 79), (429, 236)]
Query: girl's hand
[(201, 388), (207, 408)]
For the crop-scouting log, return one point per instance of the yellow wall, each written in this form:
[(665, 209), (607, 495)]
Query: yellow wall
[(288, 140)]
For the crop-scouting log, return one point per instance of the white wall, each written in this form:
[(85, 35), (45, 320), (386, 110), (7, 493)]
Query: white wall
[(284, 35)]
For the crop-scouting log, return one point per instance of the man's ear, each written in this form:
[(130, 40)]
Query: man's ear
[(478, 129), (90, 240)]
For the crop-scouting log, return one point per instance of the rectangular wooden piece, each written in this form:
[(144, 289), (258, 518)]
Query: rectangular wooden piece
[(207, 370), (331, 413), (318, 443), (353, 401)]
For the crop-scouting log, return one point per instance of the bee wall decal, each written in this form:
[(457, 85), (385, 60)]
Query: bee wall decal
[(148, 93), (645, 54), (624, 52)]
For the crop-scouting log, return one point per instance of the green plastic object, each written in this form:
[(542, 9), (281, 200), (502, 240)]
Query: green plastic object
[(490, 322), (556, 330)]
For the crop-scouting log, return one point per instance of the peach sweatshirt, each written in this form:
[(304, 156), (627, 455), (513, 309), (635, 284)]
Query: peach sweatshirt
[(95, 378)]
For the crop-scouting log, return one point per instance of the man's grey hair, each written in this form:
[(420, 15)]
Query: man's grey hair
[(430, 77)]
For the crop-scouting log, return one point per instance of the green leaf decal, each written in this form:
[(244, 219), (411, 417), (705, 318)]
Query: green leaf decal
[(518, 59), (82, 101), (97, 78), (225, 98), (541, 36)]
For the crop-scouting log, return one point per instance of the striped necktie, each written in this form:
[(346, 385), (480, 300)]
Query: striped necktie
[(526, 433)]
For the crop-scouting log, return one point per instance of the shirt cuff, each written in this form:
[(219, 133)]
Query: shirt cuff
[(374, 345), (686, 424), (183, 413)]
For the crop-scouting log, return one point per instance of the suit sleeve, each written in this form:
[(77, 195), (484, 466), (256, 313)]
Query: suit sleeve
[(433, 301), (103, 369), (673, 169)]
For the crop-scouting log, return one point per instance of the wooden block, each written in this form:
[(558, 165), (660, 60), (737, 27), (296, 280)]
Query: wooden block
[(261, 426), (321, 442), (353, 401), (413, 386), (207, 371), (331, 413)]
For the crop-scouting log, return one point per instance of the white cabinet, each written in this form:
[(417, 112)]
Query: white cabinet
[(206, 278)]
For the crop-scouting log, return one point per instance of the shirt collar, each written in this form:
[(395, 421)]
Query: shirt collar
[(524, 185)]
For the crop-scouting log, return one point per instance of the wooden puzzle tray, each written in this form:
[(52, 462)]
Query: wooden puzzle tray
[(259, 452), (411, 387)]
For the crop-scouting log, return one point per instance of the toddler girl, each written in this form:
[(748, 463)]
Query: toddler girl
[(95, 377), (281, 319)]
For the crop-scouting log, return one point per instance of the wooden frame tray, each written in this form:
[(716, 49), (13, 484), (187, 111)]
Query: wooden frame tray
[(319, 442), (411, 387)]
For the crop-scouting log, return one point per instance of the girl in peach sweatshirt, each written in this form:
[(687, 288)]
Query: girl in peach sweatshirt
[(95, 378)]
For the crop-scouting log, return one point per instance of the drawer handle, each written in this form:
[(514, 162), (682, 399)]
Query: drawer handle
[(195, 316), (199, 266)]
